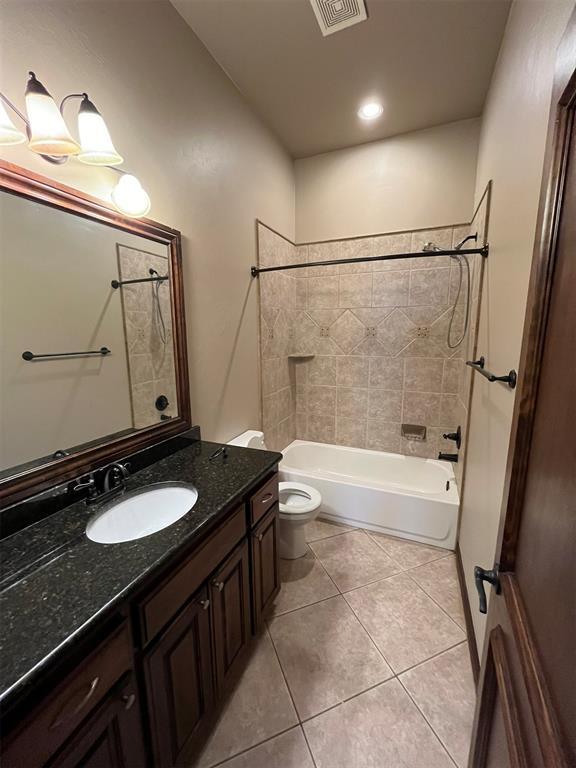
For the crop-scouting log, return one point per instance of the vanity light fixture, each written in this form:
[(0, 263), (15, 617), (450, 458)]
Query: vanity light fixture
[(130, 197), (49, 137), (97, 147), (48, 132), (370, 110)]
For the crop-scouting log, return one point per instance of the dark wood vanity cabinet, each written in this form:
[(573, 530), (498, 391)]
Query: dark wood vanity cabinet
[(192, 631), (92, 718), (230, 603), (265, 544), (179, 682), (110, 738)]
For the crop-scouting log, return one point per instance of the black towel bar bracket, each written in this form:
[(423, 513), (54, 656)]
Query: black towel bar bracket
[(511, 377), (102, 352)]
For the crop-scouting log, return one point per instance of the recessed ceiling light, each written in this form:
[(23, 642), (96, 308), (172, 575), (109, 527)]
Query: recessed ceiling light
[(371, 110)]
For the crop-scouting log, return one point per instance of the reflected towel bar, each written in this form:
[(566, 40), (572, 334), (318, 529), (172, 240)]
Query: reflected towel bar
[(102, 352), (478, 365), (118, 283)]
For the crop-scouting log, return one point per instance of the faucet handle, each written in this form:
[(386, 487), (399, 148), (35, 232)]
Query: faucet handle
[(89, 484)]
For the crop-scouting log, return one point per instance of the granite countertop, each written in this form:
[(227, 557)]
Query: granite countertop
[(57, 583)]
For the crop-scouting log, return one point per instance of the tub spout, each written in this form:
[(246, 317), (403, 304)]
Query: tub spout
[(448, 457)]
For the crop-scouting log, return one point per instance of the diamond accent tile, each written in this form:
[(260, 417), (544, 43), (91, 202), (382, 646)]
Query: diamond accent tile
[(347, 331), (395, 332)]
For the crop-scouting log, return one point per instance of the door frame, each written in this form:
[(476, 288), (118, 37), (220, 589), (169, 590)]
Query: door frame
[(496, 668)]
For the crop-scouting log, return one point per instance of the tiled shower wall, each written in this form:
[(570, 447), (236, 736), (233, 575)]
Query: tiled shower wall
[(150, 360), (378, 335), (277, 317)]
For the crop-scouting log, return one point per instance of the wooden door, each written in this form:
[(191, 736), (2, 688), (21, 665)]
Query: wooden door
[(179, 682), (265, 564), (230, 600), (111, 738), (526, 711)]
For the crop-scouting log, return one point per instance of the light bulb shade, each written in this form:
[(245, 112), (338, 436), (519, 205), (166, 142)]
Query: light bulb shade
[(130, 197), (95, 141), (48, 132), (9, 134)]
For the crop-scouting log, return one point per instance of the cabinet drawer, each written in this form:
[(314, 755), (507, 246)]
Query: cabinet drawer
[(264, 499), (57, 717), (158, 608)]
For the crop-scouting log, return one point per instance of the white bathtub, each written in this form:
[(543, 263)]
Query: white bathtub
[(398, 495)]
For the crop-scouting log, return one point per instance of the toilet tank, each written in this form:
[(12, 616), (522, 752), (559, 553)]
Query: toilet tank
[(250, 439)]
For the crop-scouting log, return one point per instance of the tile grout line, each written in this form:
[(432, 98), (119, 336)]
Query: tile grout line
[(254, 746), (286, 683), (444, 747), (434, 656), (390, 667), (436, 601)]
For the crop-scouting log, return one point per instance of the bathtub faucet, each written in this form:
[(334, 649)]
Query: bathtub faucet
[(448, 457)]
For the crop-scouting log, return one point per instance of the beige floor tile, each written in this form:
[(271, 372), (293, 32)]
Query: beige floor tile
[(407, 553), (326, 655), (353, 559), (403, 621), (439, 579), (304, 581), (322, 529), (378, 729), (443, 688), (260, 707), (289, 750)]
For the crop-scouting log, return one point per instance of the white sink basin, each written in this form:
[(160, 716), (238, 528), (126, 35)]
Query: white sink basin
[(141, 513)]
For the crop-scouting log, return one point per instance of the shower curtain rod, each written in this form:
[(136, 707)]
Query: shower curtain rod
[(255, 271)]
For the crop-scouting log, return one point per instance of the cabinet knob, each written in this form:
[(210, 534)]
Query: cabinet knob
[(205, 604), (219, 585), (260, 536), (128, 700)]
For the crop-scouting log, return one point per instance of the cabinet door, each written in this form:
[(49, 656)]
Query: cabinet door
[(111, 737), (230, 596), (179, 683), (265, 564)]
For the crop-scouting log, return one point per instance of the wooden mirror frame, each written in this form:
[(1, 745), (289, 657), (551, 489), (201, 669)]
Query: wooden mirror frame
[(24, 183)]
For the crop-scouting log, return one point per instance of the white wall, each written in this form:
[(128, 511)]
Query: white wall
[(511, 152), (209, 164), (413, 181)]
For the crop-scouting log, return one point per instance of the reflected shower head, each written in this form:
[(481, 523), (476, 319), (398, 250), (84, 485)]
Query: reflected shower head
[(431, 247)]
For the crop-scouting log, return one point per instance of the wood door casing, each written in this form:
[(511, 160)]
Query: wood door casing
[(265, 564), (534, 610), (230, 604), (179, 681)]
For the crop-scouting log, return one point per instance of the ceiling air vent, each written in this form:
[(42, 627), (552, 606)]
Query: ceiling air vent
[(334, 15)]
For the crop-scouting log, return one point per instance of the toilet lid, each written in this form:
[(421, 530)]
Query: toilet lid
[(298, 498)]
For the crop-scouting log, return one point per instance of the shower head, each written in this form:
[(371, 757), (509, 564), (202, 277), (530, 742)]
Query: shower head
[(430, 247), (153, 272), (469, 237)]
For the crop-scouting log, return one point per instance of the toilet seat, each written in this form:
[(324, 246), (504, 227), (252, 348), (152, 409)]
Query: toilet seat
[(298, 499)]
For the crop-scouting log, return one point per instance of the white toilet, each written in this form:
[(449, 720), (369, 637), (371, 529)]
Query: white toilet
[(299, 504)]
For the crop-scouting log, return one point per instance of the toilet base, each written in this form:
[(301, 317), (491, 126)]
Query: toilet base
[(292, 540)]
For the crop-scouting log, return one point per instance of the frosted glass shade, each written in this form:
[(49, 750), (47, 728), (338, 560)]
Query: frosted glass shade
[(95, 141), (48, 132), (9, 134), (130, 197)]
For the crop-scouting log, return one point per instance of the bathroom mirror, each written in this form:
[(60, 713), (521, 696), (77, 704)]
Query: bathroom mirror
[(92, 338)]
